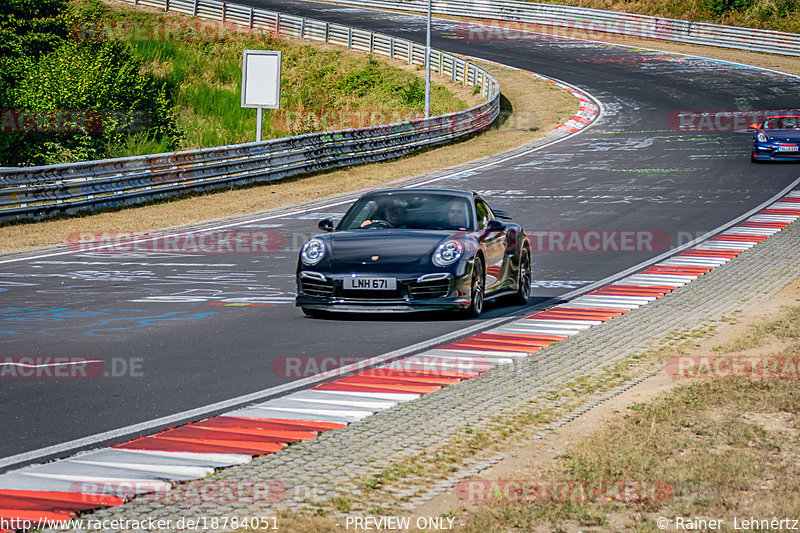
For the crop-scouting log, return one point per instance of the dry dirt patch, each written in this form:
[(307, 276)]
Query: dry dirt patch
[(727, 447)]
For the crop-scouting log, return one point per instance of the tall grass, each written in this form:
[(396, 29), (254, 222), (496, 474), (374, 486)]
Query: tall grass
[(321, 88)]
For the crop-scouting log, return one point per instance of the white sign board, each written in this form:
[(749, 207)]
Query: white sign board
[(261, 79)]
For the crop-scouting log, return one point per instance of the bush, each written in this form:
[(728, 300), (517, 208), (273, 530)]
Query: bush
[(411, 93), (362, 80), (71, 99), (768, 11), (100, 83), (721, 7)]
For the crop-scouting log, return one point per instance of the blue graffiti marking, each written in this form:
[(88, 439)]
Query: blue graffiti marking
[(44, 322)]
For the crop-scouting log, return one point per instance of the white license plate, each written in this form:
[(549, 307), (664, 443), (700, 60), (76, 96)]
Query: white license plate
[(370, 284), (787, 148)]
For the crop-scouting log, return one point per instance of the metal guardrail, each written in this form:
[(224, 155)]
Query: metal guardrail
[(43, 191), (585, 20)]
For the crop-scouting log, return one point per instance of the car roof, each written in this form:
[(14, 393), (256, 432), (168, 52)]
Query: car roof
[(451, 192)]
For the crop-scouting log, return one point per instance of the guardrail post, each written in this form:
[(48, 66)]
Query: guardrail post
[(441, 63), (371, 42), (349, 37), (252, 17), (410, 53), (194, 10), (391, 47), (277, 23), (453, 69), (224, 8), (327, 31), (303, 27), (166, 5), (466, 73)]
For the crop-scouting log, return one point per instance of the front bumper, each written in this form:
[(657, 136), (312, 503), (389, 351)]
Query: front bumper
[(414, 293), (772, 152)]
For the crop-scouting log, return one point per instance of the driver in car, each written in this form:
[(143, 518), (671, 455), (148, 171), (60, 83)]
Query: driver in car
[(394, 213)]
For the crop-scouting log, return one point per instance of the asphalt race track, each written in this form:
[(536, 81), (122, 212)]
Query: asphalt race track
[(173, 331)]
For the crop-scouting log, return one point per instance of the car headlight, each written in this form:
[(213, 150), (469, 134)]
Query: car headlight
[(313, 251), (761, 137), (447, 253)]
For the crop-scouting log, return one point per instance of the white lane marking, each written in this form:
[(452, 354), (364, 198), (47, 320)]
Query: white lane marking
[(3, 363), (218, 459), (694, 262), (567, 323), (193, 472), (480, 353)]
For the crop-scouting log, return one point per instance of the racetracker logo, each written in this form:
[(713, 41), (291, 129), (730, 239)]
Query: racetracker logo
[(41, 367), (212, 242), (598, 240), (717, 120), (293, 367), (160, 31), (743, 367), (563, 491), (504, 30), (61, 121), (309, 121), (194, 493)]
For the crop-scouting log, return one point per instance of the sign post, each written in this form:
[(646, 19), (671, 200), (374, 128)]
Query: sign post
[(261, 82)]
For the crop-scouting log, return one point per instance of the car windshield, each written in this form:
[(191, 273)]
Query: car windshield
[(409, 210), (782, 123)]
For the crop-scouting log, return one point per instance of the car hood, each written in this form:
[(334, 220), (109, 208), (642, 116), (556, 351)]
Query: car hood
[(791, 136), (391, 246)]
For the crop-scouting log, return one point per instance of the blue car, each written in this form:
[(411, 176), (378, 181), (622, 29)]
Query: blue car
[(776, 139)]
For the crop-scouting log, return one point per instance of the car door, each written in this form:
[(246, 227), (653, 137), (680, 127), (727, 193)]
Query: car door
[(493, 236)]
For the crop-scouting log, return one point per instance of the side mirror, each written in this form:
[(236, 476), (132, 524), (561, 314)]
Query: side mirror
[(325, 224), (753, 126), (495, 225), (502, 215)]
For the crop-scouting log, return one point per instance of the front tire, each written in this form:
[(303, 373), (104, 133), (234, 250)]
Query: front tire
[(524, 284), (311, 313), (476, 290)]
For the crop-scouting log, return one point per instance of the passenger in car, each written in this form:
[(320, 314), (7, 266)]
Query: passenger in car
[(457, 215)]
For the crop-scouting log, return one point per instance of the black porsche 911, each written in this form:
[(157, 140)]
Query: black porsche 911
[(404, 250)]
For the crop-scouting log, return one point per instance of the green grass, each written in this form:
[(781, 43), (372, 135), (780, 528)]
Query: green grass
[(321, 88)]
